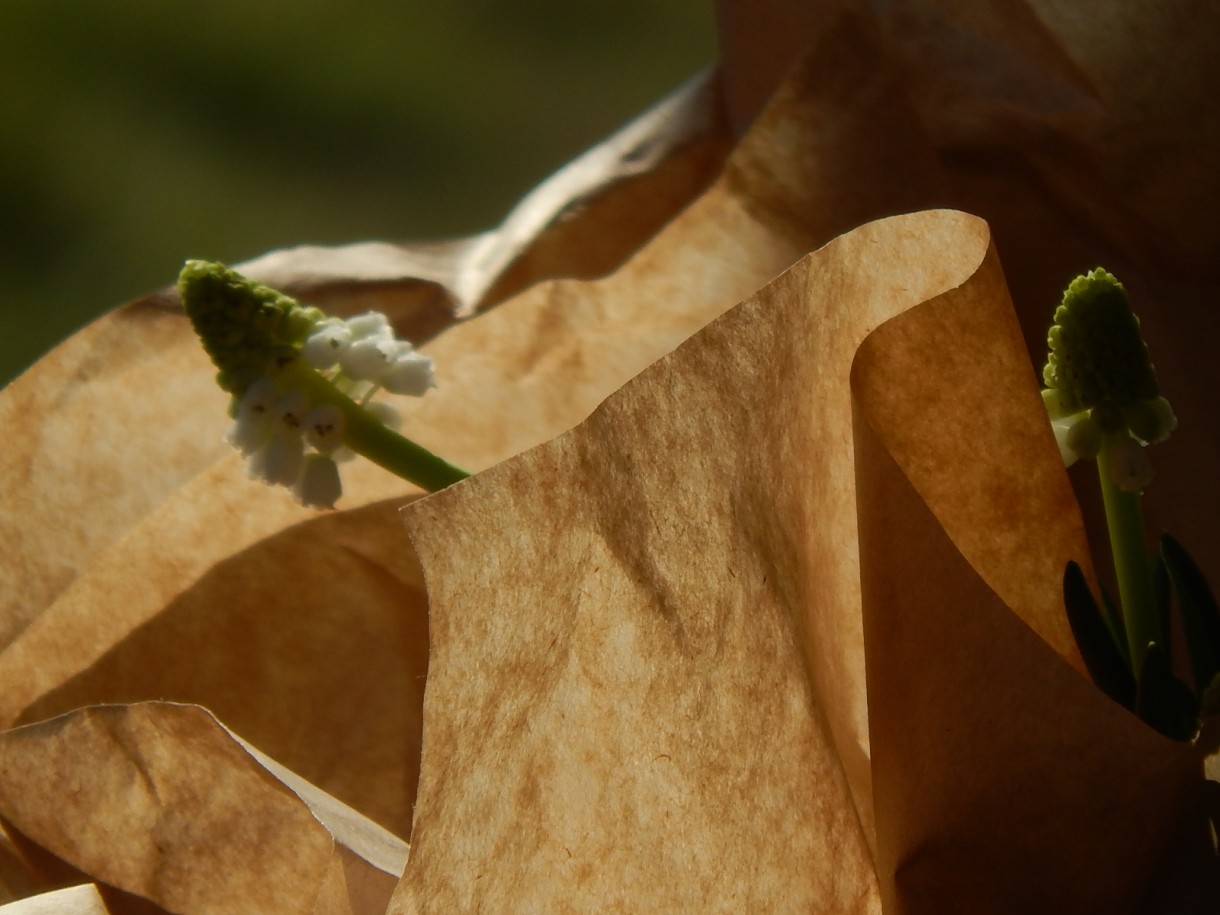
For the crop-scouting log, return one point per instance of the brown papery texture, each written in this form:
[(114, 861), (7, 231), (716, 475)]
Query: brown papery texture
[(176, 810), (650, 691), (766, 632)]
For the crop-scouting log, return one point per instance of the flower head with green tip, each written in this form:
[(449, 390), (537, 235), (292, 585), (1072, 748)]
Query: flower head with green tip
[(1101, 389), (1104, 403), (302, 383)]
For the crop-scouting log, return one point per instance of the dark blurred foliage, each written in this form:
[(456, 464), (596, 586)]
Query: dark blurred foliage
[(136, 134)]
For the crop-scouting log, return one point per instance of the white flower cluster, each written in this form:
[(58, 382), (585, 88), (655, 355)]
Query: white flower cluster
[(292, 442), (1084, 435), (364, 349), (274, 427)]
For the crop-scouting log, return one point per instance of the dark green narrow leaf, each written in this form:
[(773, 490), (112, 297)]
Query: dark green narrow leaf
[(1164, 701), (1101, 656), (1200, 616)]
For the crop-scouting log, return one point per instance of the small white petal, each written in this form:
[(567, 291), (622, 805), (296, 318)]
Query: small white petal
[(259, 398), (324, 427), (1061, 428), (290, 412), (324, 346), (249, 433), (1084, 436), (370, 324), (410, 373), (367, 358), (1130, 468), (253, 426), (279, 461), (318, 484)]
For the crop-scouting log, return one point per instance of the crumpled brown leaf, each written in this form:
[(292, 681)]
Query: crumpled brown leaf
[(177, 810), (1091, 145), (673, 715)]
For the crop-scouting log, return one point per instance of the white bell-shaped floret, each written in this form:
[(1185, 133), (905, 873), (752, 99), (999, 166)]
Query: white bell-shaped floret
[(324, 347), (1084, 436), (1062, 428), (289, 413), (318, 484), (1151, 420), (410, 373), (369, 357), (371, 324), (252, 426), (278, 461), (324, 427), (1130, 468)]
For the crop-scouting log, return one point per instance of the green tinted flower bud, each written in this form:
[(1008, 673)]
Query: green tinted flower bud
[(247, 328), (1097, 356)]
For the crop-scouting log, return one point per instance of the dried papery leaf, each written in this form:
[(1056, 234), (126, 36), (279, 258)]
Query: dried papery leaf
[(73, 900), (306, 632), (539, 363), (583, 221), (1004, 781), (161, 801), (1084, 134), (20, 874), (668, 712), (103, 429), (126, 411), (507, 382)]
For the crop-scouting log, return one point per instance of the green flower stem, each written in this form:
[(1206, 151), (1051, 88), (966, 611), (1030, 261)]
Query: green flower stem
[(367, 435), (1125, 520)]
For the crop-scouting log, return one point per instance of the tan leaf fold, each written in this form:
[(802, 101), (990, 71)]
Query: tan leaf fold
[(116, 418), (209, 558), (161, 801), (649, 691), (1085, 133), (141, 564)]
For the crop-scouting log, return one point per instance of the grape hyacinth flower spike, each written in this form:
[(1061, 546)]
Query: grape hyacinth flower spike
[(302, 384)]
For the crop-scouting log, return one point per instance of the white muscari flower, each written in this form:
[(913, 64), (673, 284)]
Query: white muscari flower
[(318, 483), (326, 345), (1085, 436), (368, 357), (278, 462), (1130, 468), (370, 324), (289, 413), (1061, 428), (324, 428), (410, 373), (303, 383), (252, 425)]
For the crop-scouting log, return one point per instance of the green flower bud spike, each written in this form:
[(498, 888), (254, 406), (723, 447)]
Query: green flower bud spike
[(1104, 403), (302, 382)]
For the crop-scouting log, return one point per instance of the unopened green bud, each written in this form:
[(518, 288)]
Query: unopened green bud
[(1097, 358), (247, 328)]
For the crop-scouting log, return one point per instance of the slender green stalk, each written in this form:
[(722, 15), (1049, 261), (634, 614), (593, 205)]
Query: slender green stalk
[(1125, 520), (367, 435)]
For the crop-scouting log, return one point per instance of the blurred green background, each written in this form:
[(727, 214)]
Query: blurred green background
[(137, 133)]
